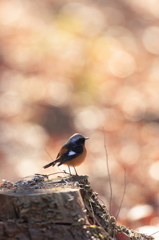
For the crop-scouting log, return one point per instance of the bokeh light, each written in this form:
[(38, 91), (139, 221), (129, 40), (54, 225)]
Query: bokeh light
[(90, 67), (150, 36), (122, 68)]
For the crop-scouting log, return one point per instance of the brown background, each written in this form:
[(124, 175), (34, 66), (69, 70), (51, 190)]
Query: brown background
[(89, 67)]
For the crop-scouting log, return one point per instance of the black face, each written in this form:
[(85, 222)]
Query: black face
[(80, 141)]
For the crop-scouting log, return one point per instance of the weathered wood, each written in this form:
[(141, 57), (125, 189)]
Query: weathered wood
[(47, 205), (11, 230), (65, 208), (32, 210)]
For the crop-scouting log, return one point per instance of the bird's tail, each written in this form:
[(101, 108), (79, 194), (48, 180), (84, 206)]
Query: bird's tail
[(50, 164)]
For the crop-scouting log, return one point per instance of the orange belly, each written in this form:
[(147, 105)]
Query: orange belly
[(78, 160)]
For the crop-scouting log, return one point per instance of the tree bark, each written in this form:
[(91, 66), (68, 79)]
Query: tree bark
[(65, 208)]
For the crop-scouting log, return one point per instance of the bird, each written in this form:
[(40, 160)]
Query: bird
[(72, 153)]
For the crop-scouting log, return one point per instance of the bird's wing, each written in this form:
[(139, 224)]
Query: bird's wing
[(69, 152)]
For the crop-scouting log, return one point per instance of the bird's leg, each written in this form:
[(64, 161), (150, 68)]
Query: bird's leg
[(75, 171)]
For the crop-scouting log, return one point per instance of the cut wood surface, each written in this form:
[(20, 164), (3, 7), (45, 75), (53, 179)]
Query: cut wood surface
[(62, 208)]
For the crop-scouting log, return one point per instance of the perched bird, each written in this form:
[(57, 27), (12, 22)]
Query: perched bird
[(72, 153)]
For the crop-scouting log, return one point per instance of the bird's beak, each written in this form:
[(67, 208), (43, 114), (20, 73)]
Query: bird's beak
[(86, 138)]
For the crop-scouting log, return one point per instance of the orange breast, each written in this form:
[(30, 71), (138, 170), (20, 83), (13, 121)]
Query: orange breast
[(78, 160)]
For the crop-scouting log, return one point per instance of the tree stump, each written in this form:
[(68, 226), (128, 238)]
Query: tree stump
[(65, 208)]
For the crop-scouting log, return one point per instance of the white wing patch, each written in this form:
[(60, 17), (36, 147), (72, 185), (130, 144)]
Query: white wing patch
[(71, 153)]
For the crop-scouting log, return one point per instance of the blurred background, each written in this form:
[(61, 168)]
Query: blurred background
[(90, 67)]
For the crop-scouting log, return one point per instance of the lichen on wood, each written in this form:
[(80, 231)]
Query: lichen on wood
[(61, 208)]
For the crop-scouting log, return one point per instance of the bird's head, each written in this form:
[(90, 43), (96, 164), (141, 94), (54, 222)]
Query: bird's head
[(78, 138)]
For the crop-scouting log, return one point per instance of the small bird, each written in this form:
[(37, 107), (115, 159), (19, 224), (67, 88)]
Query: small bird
[(72, 153)]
